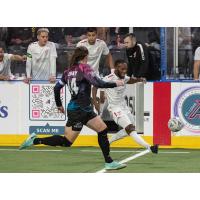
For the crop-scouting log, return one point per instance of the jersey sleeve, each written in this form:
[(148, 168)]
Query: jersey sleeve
[(78, 44), (90, 76), (108, 78), (144, 62), (59, 85), (197, 54), (126, 79), (29, 52), (8, 56), (53, 56), (53, 50), (105, 49), (105, 79), (29, 61), (63, 81)]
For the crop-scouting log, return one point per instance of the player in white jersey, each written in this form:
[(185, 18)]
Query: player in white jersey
[(96, 48), (196, 69), (118, 108), (41, 58), (5, 62)]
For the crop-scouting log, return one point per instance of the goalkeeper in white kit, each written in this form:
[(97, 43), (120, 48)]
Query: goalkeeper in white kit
[(118, 108)]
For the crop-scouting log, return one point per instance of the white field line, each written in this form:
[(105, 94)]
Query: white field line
[(128, 159), (129, 151)]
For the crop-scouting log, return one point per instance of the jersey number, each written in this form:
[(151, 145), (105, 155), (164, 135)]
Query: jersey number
[(72, 86)]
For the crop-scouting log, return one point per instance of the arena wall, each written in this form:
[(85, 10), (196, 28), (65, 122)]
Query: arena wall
[(31, 108)]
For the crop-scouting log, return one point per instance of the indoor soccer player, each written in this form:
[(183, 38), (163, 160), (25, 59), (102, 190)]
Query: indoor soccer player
[(79, 77), (118, 108), (96, 48), (5, 63), (41, 58)]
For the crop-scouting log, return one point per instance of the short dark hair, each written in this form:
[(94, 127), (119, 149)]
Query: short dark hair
[(119, 61), (131, 35), (91, 29)]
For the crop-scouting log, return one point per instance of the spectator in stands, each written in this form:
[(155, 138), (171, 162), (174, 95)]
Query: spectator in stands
[(137, 54), (73, 35), (195, 38), (3, 37), (56, 34), (5, 61), (19, 36), (103, 33), (196, 68), (153, 47), (153, 40), (41, 58), (184, 37), (117, 34)]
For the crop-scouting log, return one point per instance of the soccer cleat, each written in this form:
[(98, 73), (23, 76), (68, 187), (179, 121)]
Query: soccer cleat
[(154, 148), (114, 166), (28, 142)]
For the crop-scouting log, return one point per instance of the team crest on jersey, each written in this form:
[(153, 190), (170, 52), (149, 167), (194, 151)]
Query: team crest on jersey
[(187, 108)]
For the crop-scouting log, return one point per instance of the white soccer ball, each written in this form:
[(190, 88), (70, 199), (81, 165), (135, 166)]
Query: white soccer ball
[(175, 124)]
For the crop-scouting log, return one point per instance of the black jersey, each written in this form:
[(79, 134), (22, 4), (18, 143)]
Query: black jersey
[(138, 62)]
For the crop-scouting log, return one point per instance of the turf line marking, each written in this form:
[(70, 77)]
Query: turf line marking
[(128, 151), (128, 159), (175, 152), (45, 150)]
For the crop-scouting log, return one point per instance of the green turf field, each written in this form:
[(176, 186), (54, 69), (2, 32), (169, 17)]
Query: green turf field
[(89, 159)]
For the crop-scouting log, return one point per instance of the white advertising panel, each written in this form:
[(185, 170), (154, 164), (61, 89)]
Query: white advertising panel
[(185, 105)]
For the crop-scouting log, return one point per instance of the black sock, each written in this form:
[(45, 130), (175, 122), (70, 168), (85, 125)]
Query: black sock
[(104, 145), (56, 140)]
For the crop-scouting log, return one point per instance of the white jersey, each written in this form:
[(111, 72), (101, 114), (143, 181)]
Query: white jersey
[(96, 50), (41, 61), (115, 96), (5, 65), (197, 55)]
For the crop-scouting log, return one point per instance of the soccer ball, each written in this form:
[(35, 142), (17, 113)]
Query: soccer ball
[(175, 125)]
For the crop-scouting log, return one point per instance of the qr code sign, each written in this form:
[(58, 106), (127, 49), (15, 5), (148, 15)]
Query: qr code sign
[(42, 103)]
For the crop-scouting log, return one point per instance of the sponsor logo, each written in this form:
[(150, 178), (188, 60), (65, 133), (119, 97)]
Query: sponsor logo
[(187, 108), (3, 111)]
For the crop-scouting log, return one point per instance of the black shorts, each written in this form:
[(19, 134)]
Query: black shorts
[(78, 118)]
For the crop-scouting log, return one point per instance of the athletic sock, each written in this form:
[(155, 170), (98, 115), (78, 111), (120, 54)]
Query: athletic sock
[(119, 135), (56, 140), (139, 139), (104, 145)]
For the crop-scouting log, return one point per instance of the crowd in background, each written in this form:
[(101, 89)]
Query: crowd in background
[(15, 40)]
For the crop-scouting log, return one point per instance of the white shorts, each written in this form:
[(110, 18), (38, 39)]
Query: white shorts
[(121, 115)]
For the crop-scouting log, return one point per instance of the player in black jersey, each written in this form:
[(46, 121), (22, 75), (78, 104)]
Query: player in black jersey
[(79, 77)]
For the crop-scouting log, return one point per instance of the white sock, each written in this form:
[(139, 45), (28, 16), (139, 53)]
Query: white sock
[(139, 139), (120, 134)]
